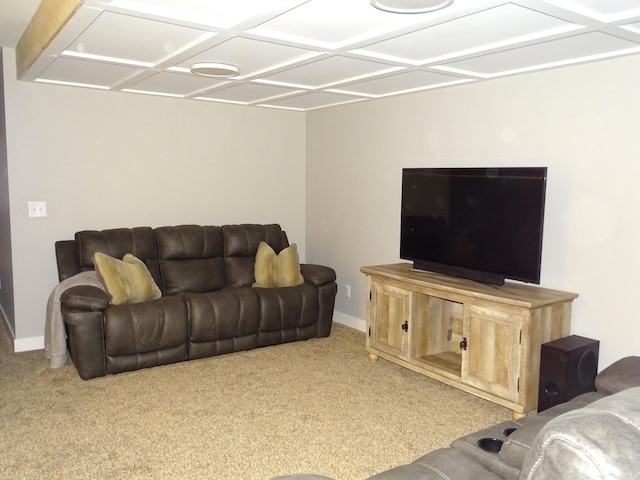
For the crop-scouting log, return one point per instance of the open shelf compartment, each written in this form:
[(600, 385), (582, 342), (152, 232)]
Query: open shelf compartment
[(437, 333)]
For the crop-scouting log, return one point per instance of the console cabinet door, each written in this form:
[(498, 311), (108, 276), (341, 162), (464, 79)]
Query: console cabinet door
[(390, 307), (491, 361)]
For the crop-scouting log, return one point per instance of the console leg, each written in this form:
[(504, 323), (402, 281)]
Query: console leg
[(373, 357), (518, 415)]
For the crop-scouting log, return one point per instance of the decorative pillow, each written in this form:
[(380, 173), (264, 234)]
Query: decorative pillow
[(282, 270), (263, 267), (127, 280)]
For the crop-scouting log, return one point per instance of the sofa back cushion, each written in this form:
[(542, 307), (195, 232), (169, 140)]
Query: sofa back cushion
[(191, 258), (241, 245), (117, 242), (597, 441), (620, 375)]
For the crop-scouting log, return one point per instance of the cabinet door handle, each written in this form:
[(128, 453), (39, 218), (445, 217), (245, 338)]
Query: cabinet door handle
[(463, 343), (405, 326)]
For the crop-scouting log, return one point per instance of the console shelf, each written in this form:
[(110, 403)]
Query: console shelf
[(478, 338), (447, 361)]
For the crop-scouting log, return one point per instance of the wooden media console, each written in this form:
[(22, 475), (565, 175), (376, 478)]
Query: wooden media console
[(481, 339)]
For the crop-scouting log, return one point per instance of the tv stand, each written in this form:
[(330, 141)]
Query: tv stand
[(474, 337)]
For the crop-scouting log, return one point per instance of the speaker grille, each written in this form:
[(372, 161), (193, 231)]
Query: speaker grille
[(587, 368)]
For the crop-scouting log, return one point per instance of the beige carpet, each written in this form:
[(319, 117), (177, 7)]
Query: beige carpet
[(317, 406)]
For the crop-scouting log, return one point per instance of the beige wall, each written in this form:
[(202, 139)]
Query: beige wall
[(105, 159), (582, 122)]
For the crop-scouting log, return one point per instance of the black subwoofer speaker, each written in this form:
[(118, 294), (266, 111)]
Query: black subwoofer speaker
[(568, 368)]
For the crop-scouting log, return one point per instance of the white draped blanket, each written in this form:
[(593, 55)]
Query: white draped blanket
[(55, 344)]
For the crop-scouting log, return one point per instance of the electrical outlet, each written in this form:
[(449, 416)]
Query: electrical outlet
[(347, 291)]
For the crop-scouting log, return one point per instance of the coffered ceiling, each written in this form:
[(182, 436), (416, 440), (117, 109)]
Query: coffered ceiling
[(309, 54)]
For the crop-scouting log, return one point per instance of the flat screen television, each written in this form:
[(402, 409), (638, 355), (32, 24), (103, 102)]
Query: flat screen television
[(483, 224)]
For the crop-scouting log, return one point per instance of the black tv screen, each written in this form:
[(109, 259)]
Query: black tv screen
[(484, 224)]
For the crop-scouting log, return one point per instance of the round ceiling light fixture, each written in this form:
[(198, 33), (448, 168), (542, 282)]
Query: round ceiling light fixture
[(410, 6), (208, 69)]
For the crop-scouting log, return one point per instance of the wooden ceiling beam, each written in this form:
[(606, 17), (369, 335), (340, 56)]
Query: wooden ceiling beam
[(47, 22)]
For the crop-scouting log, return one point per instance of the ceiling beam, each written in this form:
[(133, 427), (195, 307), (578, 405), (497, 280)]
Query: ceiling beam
[(47, 22)]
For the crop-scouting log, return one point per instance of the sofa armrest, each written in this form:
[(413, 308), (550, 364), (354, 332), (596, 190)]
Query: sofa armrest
[(324, 279), (317, 274), (82, 308), (86, 342), (620, 375), (85, 298)]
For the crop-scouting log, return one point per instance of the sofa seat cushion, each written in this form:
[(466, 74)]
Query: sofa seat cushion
[(145, 334), (223, 321), (598, 441), (288, 314)]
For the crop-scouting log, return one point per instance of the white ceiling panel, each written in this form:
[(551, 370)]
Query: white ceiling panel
[(543, 55), (333, 24), (73, 71), (175, 84), (251, 56), (127, 38), (219, 14), (604, 10), (247, 93), (632, 27), (510, 24), (329, 71), (401, 82), (308, 54), (311, 101)]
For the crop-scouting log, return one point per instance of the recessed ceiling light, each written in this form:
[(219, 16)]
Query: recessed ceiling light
[(208, 69), (410, 6)]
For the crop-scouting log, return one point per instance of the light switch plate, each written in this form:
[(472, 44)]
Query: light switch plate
[(37, 209)]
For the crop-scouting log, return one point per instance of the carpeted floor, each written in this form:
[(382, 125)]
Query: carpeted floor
[(317, 406)]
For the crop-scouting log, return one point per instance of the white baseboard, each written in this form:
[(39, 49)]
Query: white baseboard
[(28, 344), (350, 321), (21, 344)]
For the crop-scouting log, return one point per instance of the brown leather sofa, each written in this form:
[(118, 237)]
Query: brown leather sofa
[(208, 305)]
